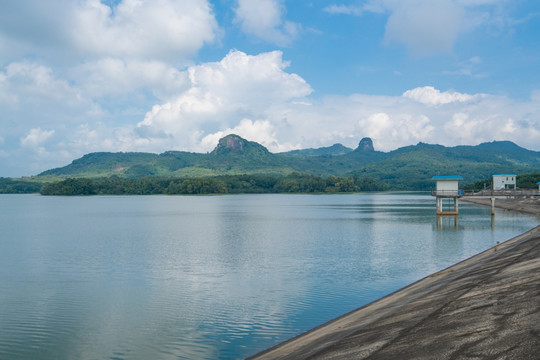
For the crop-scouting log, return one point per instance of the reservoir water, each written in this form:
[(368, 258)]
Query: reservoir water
[(213, 277)]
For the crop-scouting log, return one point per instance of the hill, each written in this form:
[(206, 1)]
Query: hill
[(412, 167), (336, 149), (406, 168), (233, 155)]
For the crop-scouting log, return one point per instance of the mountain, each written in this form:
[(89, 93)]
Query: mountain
[(336, 149), (234, 144), (409, 167), (366, 144), (412, 167)]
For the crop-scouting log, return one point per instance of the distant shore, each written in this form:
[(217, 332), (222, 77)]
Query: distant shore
[(528, 206)]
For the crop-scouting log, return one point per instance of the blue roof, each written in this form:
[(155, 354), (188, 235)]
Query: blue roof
[(538, 183), (447, 177), (504, 174)]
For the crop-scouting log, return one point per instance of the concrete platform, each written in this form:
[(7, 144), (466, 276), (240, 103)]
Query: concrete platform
[(486, 307), (528, 206)]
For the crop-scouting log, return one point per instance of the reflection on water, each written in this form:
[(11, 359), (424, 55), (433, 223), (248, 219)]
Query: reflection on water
[(207, 277), (448, 222)]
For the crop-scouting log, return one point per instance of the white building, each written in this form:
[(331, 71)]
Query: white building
[(447, 187), (504, 181)]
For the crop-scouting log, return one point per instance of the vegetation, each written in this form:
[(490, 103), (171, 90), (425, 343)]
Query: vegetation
[(528, 181), (294, 183), (240, 166), (407, 168), (17, 186)]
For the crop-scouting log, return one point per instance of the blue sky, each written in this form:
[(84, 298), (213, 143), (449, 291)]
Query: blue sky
[(135, 75)]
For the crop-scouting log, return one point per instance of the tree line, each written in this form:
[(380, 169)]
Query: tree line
[(231, 184), (16, 186)]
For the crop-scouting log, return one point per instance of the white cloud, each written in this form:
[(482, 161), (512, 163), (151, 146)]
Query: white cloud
[(114, 76), (89, 60), (36, 137), (238, 87), (161, 29), (401, 128), (430, 96), (67, 30), (264, 19), (374, 6), (250, 95), (33, 95), (344, 9), (226, 97), (261, 131), (34, 82)]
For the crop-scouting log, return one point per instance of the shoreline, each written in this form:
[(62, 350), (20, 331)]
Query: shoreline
[(527, 206), (480, 307)]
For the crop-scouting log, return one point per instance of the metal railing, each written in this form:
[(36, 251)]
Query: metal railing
[(487, 192), (447, 193), (503, 192)]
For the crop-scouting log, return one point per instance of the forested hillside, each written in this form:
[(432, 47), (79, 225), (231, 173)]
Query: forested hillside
[(234, 158)]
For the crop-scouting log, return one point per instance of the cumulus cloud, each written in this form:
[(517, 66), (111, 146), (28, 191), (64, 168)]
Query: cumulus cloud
[(264, 20), (135, 28), (33, 82), (142, 29), (86, 58), (238, 87), (430, 96), (34, 94), (400, 128), (130, 51), (114, 76), (36, 137), (254, 96)]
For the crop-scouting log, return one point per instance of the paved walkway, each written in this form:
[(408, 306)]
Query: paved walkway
[(486, 307)]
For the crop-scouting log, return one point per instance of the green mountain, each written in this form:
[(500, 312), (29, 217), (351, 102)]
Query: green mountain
[(412, 167), (408, 168), (336, 149)]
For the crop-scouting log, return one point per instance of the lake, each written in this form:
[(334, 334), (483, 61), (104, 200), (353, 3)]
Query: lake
[(213, 277)]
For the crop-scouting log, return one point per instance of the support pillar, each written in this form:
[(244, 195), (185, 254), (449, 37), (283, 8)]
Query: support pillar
[(492, 206), (440, 211)]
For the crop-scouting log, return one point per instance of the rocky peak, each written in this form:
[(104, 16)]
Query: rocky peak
[(366, 144), (234, 144), (230, 143)]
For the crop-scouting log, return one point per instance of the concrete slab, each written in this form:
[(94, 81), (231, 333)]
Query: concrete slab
[(486, 307)]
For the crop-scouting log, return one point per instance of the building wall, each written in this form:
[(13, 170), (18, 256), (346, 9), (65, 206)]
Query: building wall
[(447, 185), (504, 182)]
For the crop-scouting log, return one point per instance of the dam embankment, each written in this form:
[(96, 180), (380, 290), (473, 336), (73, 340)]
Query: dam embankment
[(485, 307)]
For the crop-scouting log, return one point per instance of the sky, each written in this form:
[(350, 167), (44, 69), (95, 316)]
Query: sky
[(156, 75)]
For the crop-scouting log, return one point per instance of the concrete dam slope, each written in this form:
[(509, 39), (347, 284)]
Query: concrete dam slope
[(485, 307)]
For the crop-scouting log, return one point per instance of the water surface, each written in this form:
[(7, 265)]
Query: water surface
[(212, 277)]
